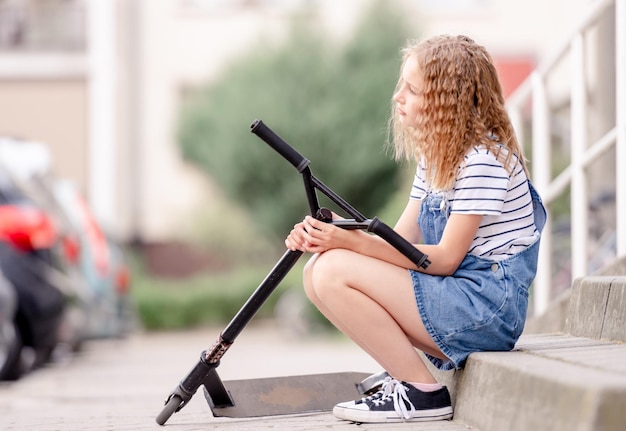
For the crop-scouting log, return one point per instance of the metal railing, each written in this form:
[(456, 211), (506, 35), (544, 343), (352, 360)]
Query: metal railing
[(530, 107)]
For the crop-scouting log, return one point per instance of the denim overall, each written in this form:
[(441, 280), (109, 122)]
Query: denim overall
[(482, 306)]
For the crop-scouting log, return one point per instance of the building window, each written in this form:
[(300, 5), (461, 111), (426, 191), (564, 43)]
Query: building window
[(42, 25)]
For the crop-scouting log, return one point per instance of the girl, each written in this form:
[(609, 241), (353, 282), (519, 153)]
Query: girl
[(471, 209)]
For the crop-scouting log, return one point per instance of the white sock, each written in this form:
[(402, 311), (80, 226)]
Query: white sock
[(426, 387)]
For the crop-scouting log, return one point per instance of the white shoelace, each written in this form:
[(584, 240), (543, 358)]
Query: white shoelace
[(397, 392), (385, 390), (400, 401)]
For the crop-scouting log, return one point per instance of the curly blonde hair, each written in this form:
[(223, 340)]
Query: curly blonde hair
[(463, 107)]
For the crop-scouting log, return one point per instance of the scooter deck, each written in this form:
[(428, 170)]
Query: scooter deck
[(288, 395)]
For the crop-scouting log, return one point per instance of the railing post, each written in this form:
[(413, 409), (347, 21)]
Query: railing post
[(578, 125), (620, 125), (541, 163)]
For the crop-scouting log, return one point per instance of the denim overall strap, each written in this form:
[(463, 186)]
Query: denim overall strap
[(538, 208), (434, 213)]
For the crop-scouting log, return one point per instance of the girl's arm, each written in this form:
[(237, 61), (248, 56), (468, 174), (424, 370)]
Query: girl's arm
[(446, 256), (317, 237), (457, 237)]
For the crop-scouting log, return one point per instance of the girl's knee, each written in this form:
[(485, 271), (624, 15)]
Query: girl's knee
[(307, 279), (327, 265), (324, 272)]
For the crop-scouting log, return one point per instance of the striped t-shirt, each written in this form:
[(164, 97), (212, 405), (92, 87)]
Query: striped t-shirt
[(483, 186)]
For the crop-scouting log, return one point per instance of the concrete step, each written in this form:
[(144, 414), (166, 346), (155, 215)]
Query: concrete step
[(554, 382), (573, 381)]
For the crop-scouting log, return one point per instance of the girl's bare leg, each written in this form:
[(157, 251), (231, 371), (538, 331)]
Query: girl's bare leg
[(373, 303)]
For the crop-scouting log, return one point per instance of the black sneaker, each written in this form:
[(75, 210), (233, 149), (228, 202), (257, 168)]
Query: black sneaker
[(404, 402), (386, 388)]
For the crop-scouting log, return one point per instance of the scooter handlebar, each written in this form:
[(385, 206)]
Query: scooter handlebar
[(388, 234), (402, 245), (277, 143), (301, 163)]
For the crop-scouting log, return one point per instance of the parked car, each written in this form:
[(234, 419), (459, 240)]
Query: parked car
[(93, 264), (10, 342), (28, 255), (102, 263)]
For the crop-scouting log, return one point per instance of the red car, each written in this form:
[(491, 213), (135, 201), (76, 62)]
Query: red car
[(29, 262)]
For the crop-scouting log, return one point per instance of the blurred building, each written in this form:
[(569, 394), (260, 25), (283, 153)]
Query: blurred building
[(101, 81)]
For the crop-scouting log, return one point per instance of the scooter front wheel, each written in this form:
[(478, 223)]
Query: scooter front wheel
[(171, 406)]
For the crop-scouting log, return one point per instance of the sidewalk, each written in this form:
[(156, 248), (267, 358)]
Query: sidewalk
[(121, 384)]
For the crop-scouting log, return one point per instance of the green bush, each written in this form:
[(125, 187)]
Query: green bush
[(165, 304), (330, 102)]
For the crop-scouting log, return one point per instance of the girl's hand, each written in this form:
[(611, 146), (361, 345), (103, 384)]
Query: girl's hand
[(296, 239), (314, 236)]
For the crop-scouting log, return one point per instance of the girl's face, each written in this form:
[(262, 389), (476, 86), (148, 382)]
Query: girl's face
[(409, 96)]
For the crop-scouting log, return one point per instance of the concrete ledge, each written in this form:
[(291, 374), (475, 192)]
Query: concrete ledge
[(549, 382), (597, 308)]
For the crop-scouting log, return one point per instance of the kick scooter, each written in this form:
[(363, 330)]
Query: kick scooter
[(232, 401)]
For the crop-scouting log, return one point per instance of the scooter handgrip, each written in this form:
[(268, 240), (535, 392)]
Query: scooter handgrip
[(277, 143), (402, 245)]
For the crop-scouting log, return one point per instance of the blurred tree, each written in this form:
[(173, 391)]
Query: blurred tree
[(330, 102)]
